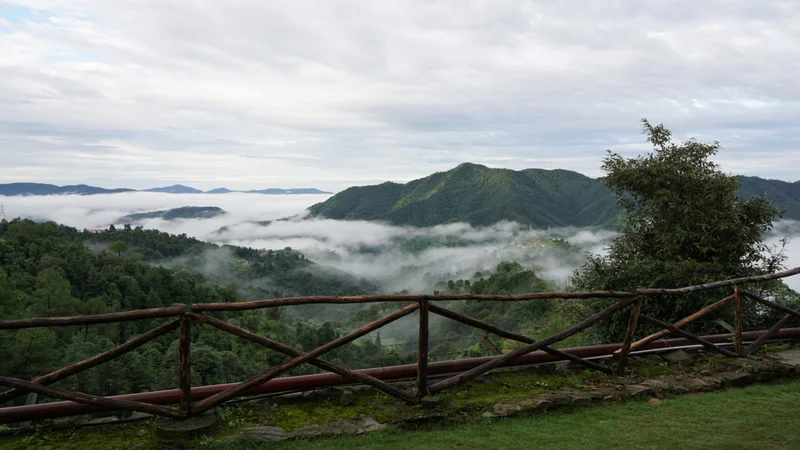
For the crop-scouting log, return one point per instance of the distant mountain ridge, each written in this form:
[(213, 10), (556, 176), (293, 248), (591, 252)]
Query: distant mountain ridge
[(482, 196), (184, 212), (16, 189)]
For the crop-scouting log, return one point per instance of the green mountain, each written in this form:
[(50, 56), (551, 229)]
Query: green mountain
[(782, 193), (482, 196), (184, 212)]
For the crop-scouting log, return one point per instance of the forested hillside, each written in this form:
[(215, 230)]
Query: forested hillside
[(786, 195), (184, 212), (48, 270), (482, 196)]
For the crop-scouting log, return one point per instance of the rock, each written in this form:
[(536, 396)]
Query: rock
[(600, 394), (678, 357), (783, 368), (432, 401), (101, 420), (482, 379), (266, 402), (506, 408), (556, 399), (335, 395), (637, 390), (654, 401), (268, 434), (169, 429), (289, 397), (579, 400), (658, 386), (308, 431), (736, 378), (648, 357), (516, 407), (63, 421), (789, 357), (713, 381), (725, 366), (367, 424), (488, 415), (348, 397), (693, 385)]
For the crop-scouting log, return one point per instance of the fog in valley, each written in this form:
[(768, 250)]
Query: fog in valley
[(393, 257)]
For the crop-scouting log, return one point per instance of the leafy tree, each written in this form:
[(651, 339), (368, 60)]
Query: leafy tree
[(119, 247), (683, 224), (52, 296)]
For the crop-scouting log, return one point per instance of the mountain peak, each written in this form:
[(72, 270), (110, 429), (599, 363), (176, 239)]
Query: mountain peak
[(483, 196)]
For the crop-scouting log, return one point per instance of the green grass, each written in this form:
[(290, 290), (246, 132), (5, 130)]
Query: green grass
[(759, 417)]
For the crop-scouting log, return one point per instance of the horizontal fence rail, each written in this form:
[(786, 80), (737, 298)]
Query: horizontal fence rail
[(187, 315)]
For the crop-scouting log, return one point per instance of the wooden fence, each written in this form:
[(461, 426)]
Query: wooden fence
[(185, 315)]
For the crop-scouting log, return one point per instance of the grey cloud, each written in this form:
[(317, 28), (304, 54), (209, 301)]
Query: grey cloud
[(369, 91)]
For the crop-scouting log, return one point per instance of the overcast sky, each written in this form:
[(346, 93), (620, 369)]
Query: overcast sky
[(328, 94)]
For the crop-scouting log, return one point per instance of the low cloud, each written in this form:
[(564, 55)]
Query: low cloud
[(394, 257)]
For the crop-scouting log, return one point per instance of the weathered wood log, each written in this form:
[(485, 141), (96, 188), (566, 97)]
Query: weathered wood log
[(480, 324), (185, 369), (690, 336), (679, 324), (738, 320), (483, 368), (400, 298), (422, 353), (138, 314), (79, 397), (88, 363), (768, 335), (773, 305), (241, 306), (293, 352), (719, 284), (633, 322), (233, 391)]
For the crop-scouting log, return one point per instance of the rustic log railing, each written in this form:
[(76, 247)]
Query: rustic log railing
[(186, 315)]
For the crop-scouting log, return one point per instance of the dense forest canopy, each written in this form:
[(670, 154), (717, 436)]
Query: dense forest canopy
[(50, 270)]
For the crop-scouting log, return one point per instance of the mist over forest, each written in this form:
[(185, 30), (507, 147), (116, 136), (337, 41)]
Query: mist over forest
[(395, 258)]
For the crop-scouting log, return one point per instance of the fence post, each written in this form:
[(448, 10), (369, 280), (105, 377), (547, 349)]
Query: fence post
[(738, 319), (185, 371), (422, 354), (633, 322)]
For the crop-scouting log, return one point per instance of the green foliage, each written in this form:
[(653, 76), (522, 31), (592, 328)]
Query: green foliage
[(118, 247), (683, 225)]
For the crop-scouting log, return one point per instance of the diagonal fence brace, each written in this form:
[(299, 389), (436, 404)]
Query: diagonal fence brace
[(291, 351), (477, 323), (233, 391), (483, 368), (94, 400), (690, 336), (93, 361)]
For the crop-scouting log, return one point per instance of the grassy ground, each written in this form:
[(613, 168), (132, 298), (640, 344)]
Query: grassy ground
[(759, 417)]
